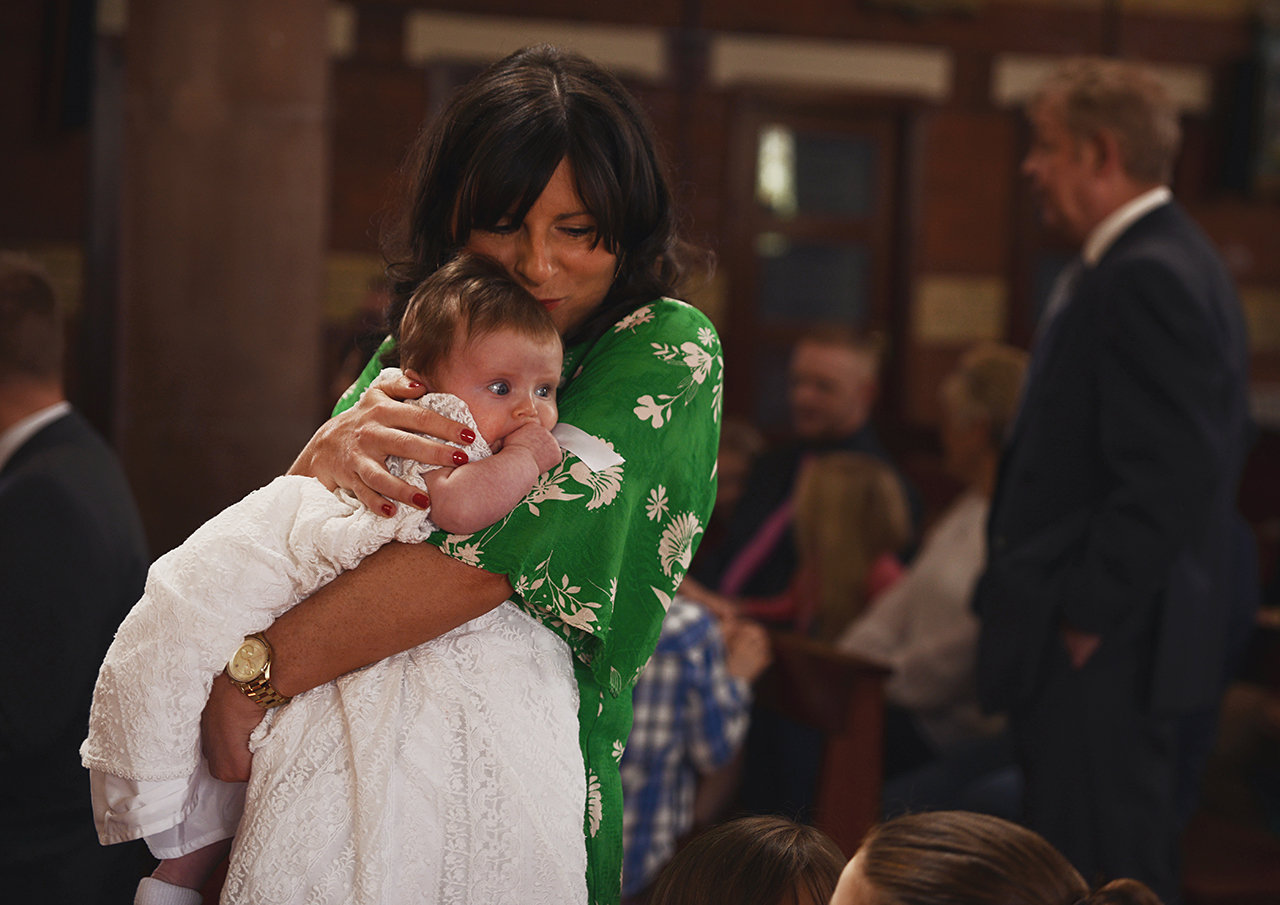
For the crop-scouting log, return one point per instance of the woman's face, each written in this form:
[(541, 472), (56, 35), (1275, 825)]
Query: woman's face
[(554, 253)]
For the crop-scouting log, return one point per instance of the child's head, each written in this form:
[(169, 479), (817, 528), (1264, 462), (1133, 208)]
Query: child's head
[(763, 860), (849, 511), (960, 858), (471, 331)]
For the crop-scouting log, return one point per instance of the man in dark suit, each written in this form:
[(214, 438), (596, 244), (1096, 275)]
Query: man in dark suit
[(73, 560), (1106, 605)]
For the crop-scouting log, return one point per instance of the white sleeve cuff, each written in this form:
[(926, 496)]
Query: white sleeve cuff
[(175, 816)]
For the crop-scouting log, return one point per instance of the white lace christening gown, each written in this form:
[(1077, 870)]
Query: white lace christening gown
[(450, 773)]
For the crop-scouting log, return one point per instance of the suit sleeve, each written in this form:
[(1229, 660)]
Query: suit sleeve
[(48, 605), (1162, 385)]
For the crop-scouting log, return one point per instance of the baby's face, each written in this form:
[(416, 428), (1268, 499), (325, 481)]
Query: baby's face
[(507, 380)]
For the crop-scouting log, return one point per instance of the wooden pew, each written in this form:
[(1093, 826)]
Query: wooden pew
[(843, 697)]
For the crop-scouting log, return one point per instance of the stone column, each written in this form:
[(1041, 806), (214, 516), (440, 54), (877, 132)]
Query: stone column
[(223, 209)]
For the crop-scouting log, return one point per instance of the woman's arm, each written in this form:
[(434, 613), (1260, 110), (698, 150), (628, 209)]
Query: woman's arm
[(397, 598)]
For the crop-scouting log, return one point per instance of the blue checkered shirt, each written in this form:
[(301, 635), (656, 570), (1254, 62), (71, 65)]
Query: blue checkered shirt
[(690, 718)]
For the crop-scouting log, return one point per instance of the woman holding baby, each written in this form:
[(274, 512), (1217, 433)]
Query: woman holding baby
[(545, 164)]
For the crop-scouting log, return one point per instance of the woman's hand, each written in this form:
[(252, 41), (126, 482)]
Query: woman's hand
[(350, 449), (228, 720)]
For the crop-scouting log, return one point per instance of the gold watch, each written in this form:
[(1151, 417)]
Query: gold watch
[(250, 668)]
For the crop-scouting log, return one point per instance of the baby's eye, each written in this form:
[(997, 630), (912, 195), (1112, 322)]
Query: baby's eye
[(499, 388), (545, 391)]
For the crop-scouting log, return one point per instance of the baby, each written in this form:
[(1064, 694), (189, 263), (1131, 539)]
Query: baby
[(490, 357)]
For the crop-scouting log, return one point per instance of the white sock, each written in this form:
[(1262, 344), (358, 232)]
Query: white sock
[(157, 892)]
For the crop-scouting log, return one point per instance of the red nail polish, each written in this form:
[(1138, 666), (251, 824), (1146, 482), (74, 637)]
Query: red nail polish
[(421, 501), (459, 457), (414, 385), (388, 510), (468, 435)]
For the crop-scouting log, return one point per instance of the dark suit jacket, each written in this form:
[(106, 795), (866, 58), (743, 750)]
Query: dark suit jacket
[(1115, 506), (74, 560)]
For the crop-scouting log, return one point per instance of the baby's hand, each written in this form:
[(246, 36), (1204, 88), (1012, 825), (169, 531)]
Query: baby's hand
[(538, 440)]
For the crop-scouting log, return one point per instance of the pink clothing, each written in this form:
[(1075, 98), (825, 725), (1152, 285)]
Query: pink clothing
[(795, 607), (884, 574)]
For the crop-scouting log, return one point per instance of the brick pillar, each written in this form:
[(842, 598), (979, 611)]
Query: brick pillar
[(224, 195)]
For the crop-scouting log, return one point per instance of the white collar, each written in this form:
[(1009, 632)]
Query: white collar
[(22, 431), (1120, 219)]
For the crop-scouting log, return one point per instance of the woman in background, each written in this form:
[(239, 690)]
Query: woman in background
[(938, 743)]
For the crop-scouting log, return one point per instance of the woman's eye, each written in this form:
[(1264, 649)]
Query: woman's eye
[(579, 232), (499, 388), (501, 228)]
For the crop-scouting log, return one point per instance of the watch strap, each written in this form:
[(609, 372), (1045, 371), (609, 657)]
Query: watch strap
[(261, 691)]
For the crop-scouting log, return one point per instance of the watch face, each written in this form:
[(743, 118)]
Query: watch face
[(249, 660)]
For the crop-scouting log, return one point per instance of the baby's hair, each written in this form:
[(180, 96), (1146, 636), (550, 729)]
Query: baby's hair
[(469, 297), (762, 860)]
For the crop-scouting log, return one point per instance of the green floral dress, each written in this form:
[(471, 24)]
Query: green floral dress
[(597, 555)]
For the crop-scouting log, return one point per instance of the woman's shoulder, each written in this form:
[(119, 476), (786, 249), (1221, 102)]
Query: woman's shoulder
[(664, 329), (665, 317)]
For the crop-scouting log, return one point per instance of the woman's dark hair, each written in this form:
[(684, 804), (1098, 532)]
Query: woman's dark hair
[(469, 297), (762, 860), (960, 858), (489, 154)]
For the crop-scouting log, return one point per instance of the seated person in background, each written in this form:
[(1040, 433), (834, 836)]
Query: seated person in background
[(850, 517), (692, 706), (959, 858), (922, 628), (833, 381), (752, 861)]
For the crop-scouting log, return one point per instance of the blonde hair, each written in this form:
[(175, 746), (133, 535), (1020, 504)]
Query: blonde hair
[(986, 384), (1126, 99), (849, 511)]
